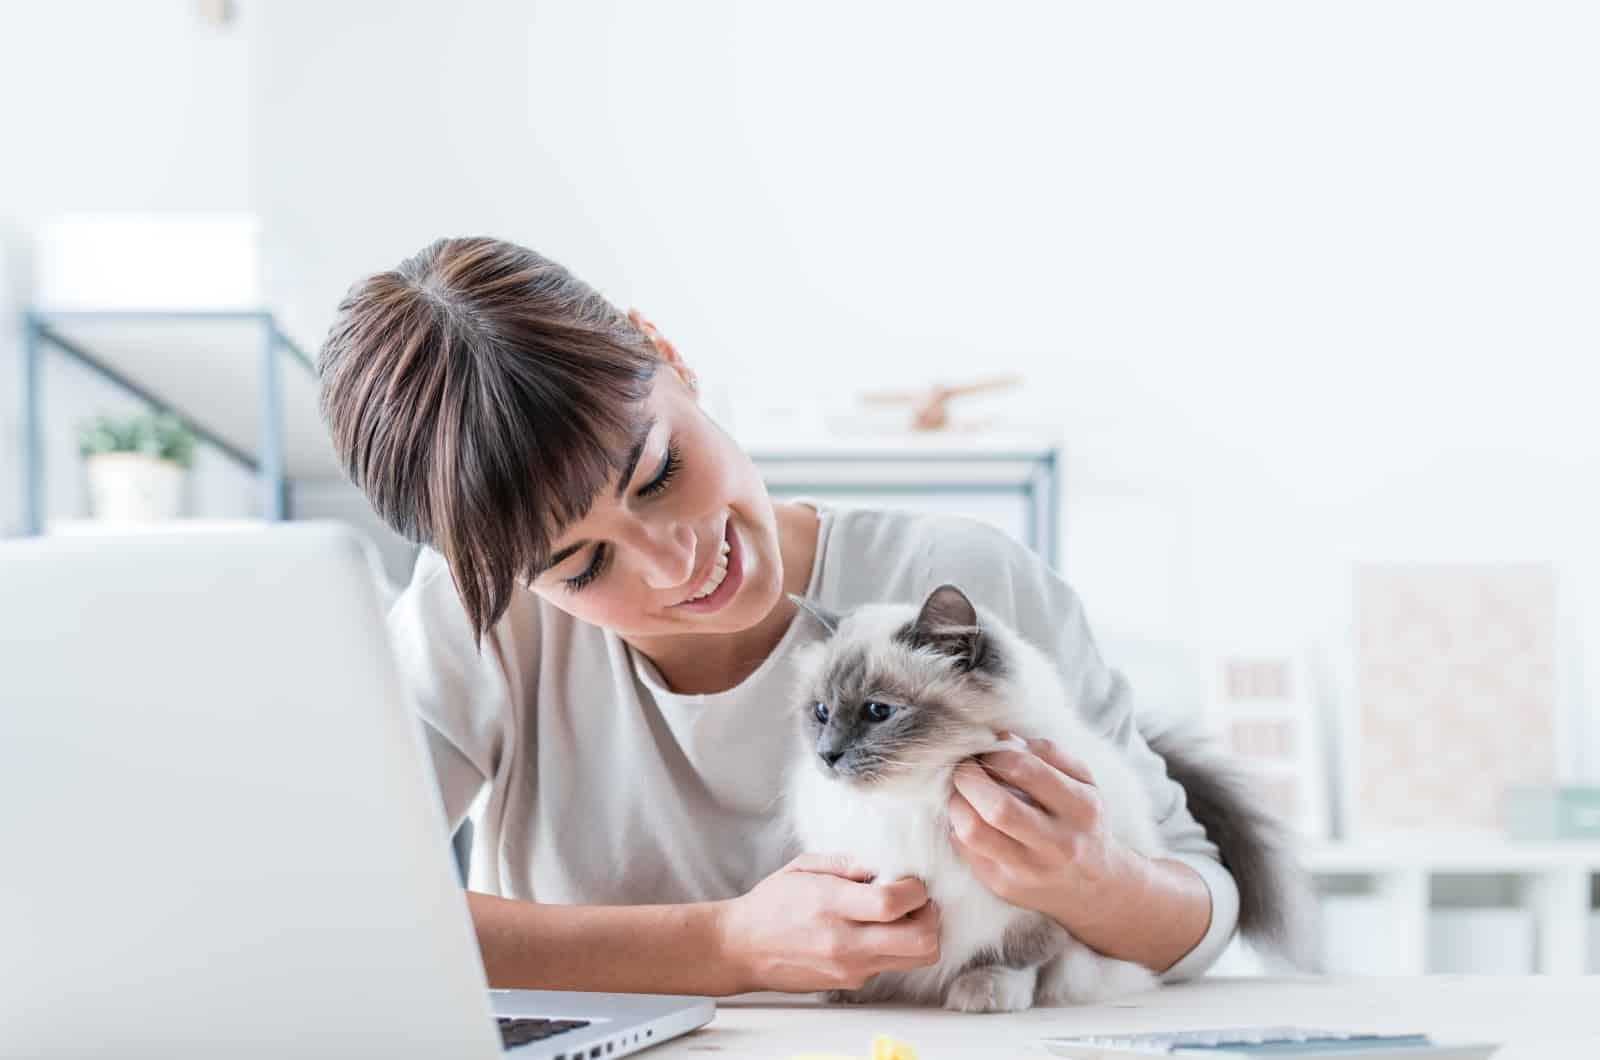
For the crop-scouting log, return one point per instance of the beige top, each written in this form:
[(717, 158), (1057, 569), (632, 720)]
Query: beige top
[(606, 788)]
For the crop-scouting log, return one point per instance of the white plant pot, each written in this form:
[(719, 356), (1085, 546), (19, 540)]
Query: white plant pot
[(134, 488)]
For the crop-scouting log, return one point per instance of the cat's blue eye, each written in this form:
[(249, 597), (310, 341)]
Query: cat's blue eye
[(879, 711), (821, 712)]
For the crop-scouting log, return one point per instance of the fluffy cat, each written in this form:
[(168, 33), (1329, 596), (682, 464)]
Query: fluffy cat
[(894, 699)]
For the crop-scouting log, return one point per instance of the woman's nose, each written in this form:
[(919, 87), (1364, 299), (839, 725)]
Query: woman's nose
[(666, 555)]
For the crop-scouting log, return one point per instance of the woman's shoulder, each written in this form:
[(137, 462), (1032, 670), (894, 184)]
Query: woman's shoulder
[(893, 528), (431, 629), (889, 554), (430, 599)]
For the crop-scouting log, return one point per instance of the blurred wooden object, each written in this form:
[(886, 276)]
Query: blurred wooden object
[(218, 13), (931, 405)]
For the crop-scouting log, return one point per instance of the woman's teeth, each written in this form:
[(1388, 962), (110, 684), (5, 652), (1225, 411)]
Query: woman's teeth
[(714, 579)]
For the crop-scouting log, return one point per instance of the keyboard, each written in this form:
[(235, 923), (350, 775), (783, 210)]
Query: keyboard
[(1248, 1043), (515, 1032)]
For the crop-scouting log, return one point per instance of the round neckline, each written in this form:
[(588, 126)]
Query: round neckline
[(650, 677)]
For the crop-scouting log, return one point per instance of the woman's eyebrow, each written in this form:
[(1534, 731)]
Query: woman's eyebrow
[(634, 452), (557, 559)]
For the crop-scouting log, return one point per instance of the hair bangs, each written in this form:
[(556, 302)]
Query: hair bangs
[(481, 396), (540, 447)]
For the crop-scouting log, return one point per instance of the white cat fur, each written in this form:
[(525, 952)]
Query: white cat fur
[(902, 830)]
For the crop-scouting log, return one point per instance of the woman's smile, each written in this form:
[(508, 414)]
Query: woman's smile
[(719, 584)]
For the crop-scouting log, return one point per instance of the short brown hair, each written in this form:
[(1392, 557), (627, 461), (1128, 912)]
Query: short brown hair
[(480, 395)]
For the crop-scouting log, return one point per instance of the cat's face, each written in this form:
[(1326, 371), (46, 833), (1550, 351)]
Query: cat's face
[(897, 695)]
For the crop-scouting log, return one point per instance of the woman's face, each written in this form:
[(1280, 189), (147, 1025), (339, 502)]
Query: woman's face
[(685, 541)]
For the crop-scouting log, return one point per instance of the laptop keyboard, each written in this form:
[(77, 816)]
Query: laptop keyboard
[(515, 1032)]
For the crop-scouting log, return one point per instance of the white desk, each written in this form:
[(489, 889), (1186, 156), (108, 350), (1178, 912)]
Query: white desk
[(1540, 1018)]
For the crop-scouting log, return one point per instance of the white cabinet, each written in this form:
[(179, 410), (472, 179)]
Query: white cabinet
[(1388, 902)]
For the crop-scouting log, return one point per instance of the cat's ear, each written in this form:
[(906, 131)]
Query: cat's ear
[(946, 606), (948, 623), (828, 620)]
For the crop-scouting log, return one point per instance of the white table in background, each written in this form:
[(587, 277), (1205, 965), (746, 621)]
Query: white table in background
[(898, 468)]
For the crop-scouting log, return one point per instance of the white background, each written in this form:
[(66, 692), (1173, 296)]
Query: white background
[(1301, 285)]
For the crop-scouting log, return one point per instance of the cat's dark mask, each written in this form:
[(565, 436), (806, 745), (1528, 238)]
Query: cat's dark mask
[(948, 624), (866, 720)]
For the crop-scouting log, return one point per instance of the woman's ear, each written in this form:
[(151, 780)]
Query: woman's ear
[(664, 349)]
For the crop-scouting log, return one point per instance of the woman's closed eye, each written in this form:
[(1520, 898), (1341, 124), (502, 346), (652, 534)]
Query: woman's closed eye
[(670, 465), (597, 563)]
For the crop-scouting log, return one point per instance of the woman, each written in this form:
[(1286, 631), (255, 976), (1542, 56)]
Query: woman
[(597, 639)]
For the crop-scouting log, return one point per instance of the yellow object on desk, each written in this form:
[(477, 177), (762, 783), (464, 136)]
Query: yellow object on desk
[(883, 1048), (886, 1048)]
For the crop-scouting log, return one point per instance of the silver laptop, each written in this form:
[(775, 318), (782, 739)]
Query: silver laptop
[(220, 831)]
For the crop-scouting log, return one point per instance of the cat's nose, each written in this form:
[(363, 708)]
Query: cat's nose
[(830, 757)]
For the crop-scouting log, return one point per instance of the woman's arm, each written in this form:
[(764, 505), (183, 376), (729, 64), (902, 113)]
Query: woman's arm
[(816, 924), (1152, 911), (649, 949), (1056, 854)]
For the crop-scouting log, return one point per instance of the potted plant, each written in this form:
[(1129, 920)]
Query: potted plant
[(136, 466)]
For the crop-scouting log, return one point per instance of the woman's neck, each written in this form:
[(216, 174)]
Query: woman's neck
[(703, 663)]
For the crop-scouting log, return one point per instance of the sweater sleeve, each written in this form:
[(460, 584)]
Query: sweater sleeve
[(1046, 610), (460, 692)]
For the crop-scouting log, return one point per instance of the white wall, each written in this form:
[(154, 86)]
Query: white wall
[(111, 106), (1303, 285)]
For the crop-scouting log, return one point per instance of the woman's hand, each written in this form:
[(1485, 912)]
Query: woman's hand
[(819, 924), (1052, 851)]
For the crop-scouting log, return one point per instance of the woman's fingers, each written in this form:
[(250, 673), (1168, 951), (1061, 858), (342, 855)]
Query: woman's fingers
[(830, 865), (1029, 774), (880, 927), (1002, 811), (975, 837), (1059, 793), (879, 903), (1071, 765), (911, 942), (856, 896)]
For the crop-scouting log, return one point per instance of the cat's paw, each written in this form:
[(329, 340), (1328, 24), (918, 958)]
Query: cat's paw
[(845, 997), (991, 989), (1080, 976)]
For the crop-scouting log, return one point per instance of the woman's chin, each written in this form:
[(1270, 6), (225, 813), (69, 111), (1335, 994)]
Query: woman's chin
[(760, 595)]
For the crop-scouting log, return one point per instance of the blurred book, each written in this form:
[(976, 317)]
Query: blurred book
[(1540, 812)]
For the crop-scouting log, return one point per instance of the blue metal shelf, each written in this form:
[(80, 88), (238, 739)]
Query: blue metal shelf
[(44, 330)]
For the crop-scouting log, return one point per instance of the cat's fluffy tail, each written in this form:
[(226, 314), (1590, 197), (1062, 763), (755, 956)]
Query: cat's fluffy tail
[(1277, 903)]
